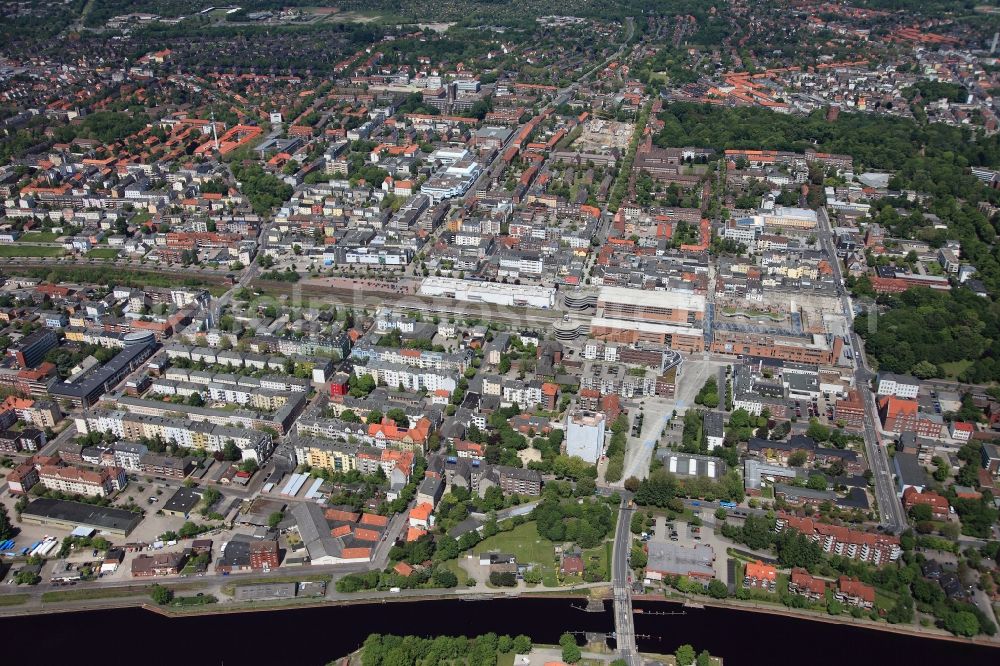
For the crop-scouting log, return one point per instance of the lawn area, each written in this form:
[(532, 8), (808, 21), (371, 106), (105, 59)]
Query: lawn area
[(505, 659), (523, 542), (194, 601), (528, 547), (455, 566), (956, 368), (38, 237), (884, 600), (739, 557), (103, 253), (13, 599), (84, 593), (30, 251)]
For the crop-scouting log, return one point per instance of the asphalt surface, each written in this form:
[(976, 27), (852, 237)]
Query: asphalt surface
[(891, 515), (624, 623)]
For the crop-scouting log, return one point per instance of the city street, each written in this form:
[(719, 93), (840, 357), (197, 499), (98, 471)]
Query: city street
[(620, 579), (890, 510)]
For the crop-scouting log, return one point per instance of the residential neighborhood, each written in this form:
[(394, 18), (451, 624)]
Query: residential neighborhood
[(308, 306)]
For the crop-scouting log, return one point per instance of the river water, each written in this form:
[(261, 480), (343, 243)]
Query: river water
[(315, 636)]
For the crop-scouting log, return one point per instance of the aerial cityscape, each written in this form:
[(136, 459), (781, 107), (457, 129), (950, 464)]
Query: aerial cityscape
[(500, 332)]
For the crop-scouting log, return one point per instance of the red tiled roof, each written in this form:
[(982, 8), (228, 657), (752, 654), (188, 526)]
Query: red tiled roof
[(345, 516), (855, 588), (421, 511), (896, 406), (761, 571), (374, 519), (343, 530), (363, 534), (802, 579)]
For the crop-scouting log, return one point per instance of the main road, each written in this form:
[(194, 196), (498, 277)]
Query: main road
[(624, 624), (891, 515)]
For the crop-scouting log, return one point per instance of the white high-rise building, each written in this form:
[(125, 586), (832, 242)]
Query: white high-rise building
[(585, 434)]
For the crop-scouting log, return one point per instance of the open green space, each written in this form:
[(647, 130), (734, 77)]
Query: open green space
[(884, 599), (19, 250), (523, 542), (128, 277), (85, 593), (13, 599), (38, 237), (103, 253), (194, 601), (455, 566), (529, 547), (954, 369), (750, 313)]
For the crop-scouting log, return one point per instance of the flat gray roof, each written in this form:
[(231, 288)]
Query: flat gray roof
[(255, 592), (86, 515), (669, 558)]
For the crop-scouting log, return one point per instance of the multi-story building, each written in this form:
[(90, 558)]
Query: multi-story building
[(850, 410), (758, 575), (900, 386), (160, 564), (664, 317), (327, 454), (74, 480), (990, 456), (585, 434), (837, 540), (853, 592), (264, 555), (816, 350), (802, 582), (23, 478), (900, 415), (154, 464), (32, 348), (783, 217), (517, 480), (410, 378), (87, 390), (253, 444), (525, 394), (938, 503), (128, 455)]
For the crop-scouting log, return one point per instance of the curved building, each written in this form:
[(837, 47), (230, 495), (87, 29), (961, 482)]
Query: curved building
[(578, 299), (568, 330)]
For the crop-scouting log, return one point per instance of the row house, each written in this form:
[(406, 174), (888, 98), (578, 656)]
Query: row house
[(877, 549), (853, 592), (79, 481), (411, 379), (802, 582), (252, 443)]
